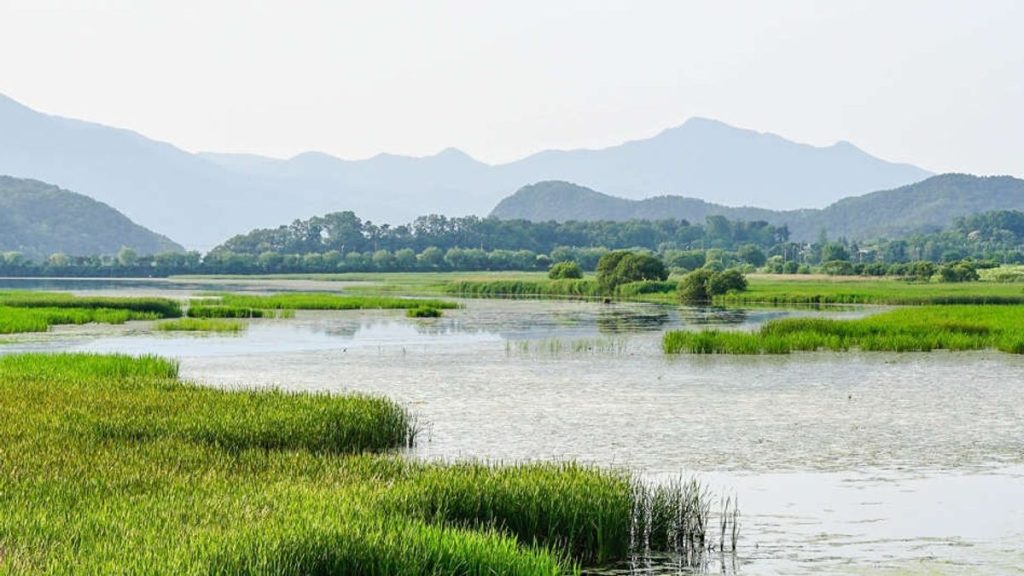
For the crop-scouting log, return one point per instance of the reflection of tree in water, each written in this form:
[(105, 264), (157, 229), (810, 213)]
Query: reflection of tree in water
[(619, 320), (703, 315)]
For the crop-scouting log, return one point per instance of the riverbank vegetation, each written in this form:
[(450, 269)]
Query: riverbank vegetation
[(913, 329), (23, 312), (110, 463), (322, 301)]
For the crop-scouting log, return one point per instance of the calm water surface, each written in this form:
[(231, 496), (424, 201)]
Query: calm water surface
[(843, 463)]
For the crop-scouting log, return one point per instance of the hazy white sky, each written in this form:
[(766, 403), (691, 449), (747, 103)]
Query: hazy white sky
[(936, 83)]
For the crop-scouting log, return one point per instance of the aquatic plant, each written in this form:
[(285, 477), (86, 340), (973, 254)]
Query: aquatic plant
[(919, 329), (39, 319), (200, 325), (198, 309), (149, 474), (323, 301), (160, 307)]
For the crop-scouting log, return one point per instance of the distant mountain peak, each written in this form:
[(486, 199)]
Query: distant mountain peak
[(203, 198)]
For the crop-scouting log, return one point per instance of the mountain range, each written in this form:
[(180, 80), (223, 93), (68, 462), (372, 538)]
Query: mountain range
[(38, 219), (202, 198), (925, 206)]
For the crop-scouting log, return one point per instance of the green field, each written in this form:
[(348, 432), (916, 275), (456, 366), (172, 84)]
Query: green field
[(110, 464), (764, 289), (767, 289), (910, 329)]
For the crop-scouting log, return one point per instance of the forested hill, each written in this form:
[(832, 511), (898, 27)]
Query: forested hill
[(926, 206), (38, 220)]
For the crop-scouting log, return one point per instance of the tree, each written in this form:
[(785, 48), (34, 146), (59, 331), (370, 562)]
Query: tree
[(752, 255), (693, 288), (731, 280), (700, 286), (127, 257), (621, 267), (565, 270)]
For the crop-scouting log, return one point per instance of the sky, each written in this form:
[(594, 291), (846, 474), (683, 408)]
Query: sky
[(935, 83)]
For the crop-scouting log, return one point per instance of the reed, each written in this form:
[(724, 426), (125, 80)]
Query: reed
[(321, 301), (112, 464), (200, 310), (572, 288), (40, 319), (915, 329), (159, 307), (201, 325)]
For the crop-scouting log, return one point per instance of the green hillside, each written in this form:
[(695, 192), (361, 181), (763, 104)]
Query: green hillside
[(926, 206), (39, 219)]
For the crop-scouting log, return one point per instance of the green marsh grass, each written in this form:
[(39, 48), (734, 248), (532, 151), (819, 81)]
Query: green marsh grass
[(158, 307), (912, 329), (197, 309), (773, 291), (322, 301), (201, 325), (39, 319), (585, 288), (111, 464)]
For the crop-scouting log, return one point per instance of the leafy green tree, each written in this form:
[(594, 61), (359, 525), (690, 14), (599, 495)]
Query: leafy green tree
[(693, 288), (565, 270), (731, 280), (752, 255), (700, 286)]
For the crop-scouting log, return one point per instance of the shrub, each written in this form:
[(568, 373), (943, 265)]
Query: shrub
[(959, 272), (727, 281), (693, 288), (700, 286), (566, 270)]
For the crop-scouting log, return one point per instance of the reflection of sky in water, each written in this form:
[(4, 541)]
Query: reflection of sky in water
[(843, 463)]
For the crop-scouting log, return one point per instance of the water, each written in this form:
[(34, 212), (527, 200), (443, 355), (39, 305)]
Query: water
[(843, 463)]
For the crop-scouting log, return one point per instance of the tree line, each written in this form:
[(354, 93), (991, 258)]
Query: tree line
[(342, 242)]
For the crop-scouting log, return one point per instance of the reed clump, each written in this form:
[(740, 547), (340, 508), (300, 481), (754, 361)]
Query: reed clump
[(324, 301), (200, 325), (916, 329), (40, 319), (424, 312), (158, 307), (201, 310), (565, 288), (113, 464)]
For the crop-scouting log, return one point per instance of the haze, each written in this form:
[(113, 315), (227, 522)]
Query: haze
[(937, 84)]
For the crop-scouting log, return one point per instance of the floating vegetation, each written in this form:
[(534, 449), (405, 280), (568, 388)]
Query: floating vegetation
[(917, 329), (201, 325), (149, 474), (423, 312)]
